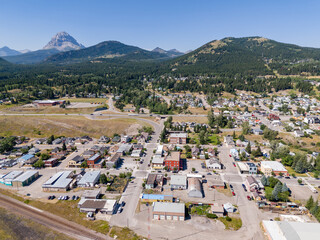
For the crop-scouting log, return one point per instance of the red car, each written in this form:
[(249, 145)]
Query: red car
[(234, 164), (230, 155), (233, 194), (249, 198)]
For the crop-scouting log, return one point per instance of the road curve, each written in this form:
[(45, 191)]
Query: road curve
[(50, 220)]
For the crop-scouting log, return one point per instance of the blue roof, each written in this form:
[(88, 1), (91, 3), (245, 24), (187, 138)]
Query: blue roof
[(154, 196), (26, 157)]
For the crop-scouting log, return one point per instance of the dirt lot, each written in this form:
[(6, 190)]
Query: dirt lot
[(43, 126), (190, 119), (83, 105)]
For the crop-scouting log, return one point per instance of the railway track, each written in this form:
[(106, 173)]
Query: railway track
[(50, 220)]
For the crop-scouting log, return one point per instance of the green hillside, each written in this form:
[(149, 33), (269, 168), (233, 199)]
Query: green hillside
[(31, 57)]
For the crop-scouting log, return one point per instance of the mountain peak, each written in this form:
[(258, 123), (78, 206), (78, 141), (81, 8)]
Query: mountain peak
[(63, 41), (6, 51)]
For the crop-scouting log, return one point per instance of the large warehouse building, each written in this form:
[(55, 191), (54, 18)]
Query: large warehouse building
[(168, 211), (25, 179)]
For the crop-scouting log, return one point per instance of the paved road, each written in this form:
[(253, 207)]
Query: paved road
[(132, 193), (49, 220)]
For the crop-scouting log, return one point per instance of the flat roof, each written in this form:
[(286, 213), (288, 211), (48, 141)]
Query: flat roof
[(169, 207), (26, 175), (243, 166), (178, 180), (276, 166), (59, 180), (157, 159), (179, 135), (26, 157), (89, 177), (106, 204), (97, 155), (156, 196)]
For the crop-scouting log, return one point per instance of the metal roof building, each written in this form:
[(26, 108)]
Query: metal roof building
[(8, 178), (168, 211), (195, 189), (89, 179), (178, 182), (282, 230), (156, 198), (25, 178), (59, 182)]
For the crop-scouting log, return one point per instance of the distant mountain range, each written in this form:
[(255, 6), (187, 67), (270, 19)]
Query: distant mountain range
[(6, 51), (63, 48)]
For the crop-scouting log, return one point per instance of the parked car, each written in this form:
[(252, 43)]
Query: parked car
[(249, 198), (123, 204), (120, 210), (49, 198), (209, 173), (233, 193), (244, 187), (231, 186), (234, 164)]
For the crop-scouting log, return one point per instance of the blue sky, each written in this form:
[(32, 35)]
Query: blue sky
[(180, 24)]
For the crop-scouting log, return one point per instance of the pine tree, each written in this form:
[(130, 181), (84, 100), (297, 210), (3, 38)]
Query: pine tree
[(264, 180), (310, 203), (315, 209), (284, 188), (248, 148)]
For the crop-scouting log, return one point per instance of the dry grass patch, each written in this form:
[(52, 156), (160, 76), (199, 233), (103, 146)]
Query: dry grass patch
[(70, 126), (124, 234), (190, 119)]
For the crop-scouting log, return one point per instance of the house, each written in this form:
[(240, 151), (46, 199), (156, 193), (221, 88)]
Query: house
[(25, 179), (195, 151), (173, 162), (298, 133), (178, 138), (154, 180), (76, 162), (157, 162), (257, 131), (252, 184), (61, 181), (194, 188), (33, 150), (234, 153), (269, 167), (106, 206), (124, 148), (137, 146), (125, 139), (103, 139), (114, 161), (93, 160), (311, 120), (228, 140), (144, 137), (168, 211), (89, 179), (156, 198), (213, 164), (27, 159), (178, 182), (51, 162), (116, 139)]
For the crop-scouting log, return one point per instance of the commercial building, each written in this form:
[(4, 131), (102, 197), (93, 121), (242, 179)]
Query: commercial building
[(168, 211), (252, 184), (213, 164), (51, 162), (9, 177), (106, 206), (194, 188), (46, 103), (25, 179), (269, 167), (27, 159), (93, 160), (91, 194), (178, 138), (114, 161), (154, 181), (157, 162), (156, 198), (76, 162), (247, 168), (89, 179), (173, 161), (178, 182), (61, 181), (282, 230)]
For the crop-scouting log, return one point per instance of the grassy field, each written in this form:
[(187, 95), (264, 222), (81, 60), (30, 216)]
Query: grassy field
[(226, 191), (235, 223), (71, 126), (124, 234), (291, 171), (15, 227), (48, 110), (86, 100)]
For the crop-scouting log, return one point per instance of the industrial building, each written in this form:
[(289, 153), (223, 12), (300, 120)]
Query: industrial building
[(61, 181), (194, 188), (178, 182), (106, 206), (25, 179), (168, 211), (89, 179), (282, 230), (9, 177)]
